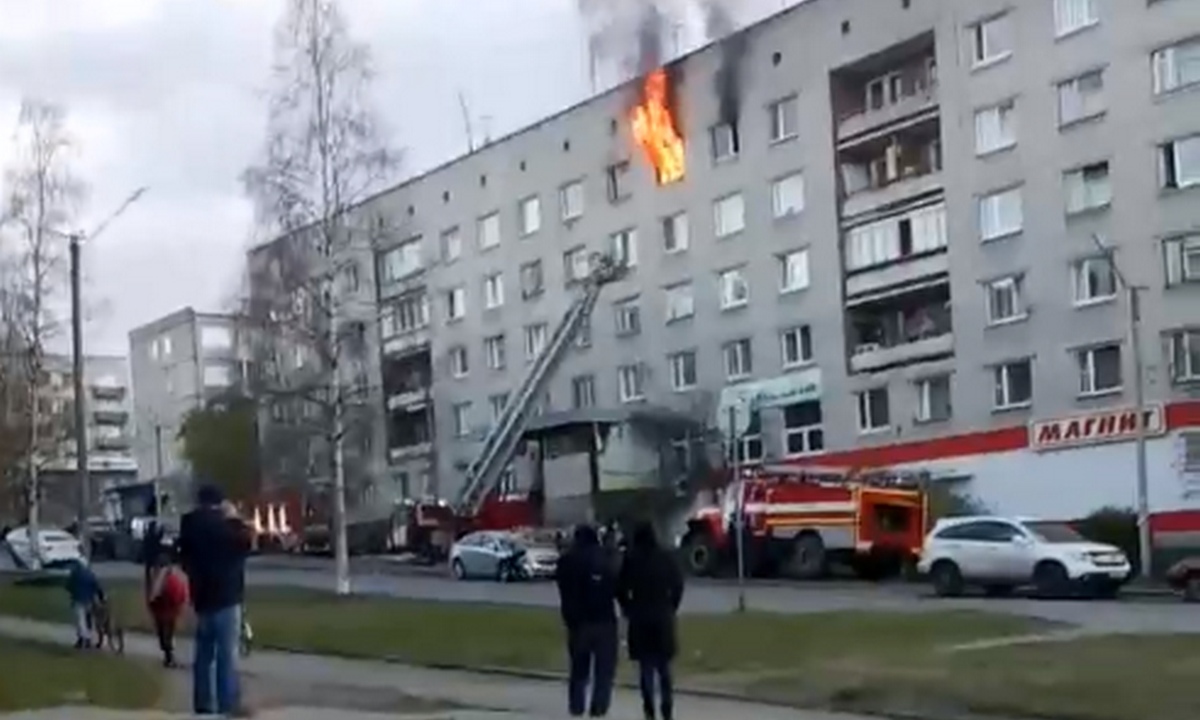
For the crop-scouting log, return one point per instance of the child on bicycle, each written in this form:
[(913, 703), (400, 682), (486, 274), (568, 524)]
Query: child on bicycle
[(166, 599), (84, 591)]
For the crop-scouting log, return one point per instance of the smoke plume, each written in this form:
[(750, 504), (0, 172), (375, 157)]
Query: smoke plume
[(719, 25)]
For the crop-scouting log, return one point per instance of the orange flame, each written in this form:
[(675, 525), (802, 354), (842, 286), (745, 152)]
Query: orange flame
[(654, 129)]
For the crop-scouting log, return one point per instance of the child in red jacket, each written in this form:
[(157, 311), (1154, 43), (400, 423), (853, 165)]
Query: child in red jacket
[(167, 597)]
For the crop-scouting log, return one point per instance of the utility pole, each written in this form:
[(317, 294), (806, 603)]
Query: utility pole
[(158, 469), (739, 507), (81, 448)]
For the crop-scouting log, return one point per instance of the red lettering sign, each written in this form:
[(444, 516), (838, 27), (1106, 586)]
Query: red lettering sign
[(1094, 428)]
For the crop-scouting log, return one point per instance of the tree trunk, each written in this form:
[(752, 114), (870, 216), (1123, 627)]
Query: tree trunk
[(341, 549), (35, 490)]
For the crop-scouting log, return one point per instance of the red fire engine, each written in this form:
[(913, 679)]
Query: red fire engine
[(798, 521)]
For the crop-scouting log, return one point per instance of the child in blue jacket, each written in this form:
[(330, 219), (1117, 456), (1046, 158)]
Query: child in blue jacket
[(84, 590)]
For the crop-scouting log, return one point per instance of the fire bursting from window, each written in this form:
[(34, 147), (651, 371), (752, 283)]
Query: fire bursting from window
[(655, 129)]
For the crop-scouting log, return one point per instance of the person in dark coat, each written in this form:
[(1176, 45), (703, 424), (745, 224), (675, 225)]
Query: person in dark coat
[(587, 590), (649, 589)]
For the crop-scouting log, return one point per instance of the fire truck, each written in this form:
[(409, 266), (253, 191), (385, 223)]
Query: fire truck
[(799, 521)]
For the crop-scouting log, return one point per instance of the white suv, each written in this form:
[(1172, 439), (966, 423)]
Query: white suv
[(1000, 554)]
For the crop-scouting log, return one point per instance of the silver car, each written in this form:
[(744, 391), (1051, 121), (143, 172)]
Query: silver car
[(481, 555)]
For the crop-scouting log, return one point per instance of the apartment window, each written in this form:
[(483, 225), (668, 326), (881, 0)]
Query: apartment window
[(1185, 355), (873, 410), (1182, 258), (787, 195), (1001, 214), (681, 302), (784, 116), (452, 245), (583, 391), (1081, 98), (530, 214), (401, 261), (217, 376), (493, 291), (1094, 280), (796, 346), (461, 414), (683, 370), (576, 264), (735, 291), (1176, 67), (1087, 188), (724, 141), (535, 340), (570, 200), (631, 382), (456, 304), (1013, 382), (216, 337), (583, 335), (750, 445), (729, 215), (1179, 163), (532, 279), (933, 399), (489, 231), (1099, 369), (738, 360), (495, 352), (991, 40), (624, 247), (497, 403), (996, 127), (628, 317), (803, 428), (1005, 303), (619, 179), (405, 314), (1074, 15), (459, 367), (793, 271), (675, 233)]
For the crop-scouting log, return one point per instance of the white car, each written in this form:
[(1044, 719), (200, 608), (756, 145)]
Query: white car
[(1000, 554), (58, 549), (479, 555)]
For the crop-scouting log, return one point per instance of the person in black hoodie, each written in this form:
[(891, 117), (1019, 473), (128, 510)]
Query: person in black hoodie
[(649, 589), (587, 592)]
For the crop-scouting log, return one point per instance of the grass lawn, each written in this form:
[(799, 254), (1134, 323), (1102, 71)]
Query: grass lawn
[(41, 676)]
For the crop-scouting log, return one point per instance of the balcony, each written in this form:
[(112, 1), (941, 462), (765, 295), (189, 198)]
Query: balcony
[(109, 392), (884, 90), (901, 330), (897, 274), (110, 416), (892, 170), (113, 442), (409, 433), (916, 104), (903, 249), (407, 380), (404, 323)]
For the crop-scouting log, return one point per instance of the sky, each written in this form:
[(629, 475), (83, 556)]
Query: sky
[(169, 95)]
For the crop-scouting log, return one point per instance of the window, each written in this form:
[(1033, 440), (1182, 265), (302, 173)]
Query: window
[(1081, 98), (675, 233), (1185, 355), (576, 264), (217, 376), (401, 261), (459, 367), (535, 340), (583, 336), (1013, 384), (216, 337), (735, 291), (583, 391), (456, 304), (1099, 369), (933, 399), (738, 360), (489, 231), (493, 291), (497, 403), (1001, 214), (530, 215), (803, 430), (796, 346), (406, 313), (624, 247), (793, 271), (1087, 188), (729, 215), (784, 116), (873, 410), (618, 181), (631, 382), (628, 317), (1073, 15), (750, 445), (532, 279), (1176, 67), (1182, 258), (917, 232), (1179, 163), (1093, 280), (570, 200), (1004, 300), (724, 140), (461, 413), (683, 370), (681, 302), (996, 128), (787, 195), (991, 40), (494, 352), (452, 245)]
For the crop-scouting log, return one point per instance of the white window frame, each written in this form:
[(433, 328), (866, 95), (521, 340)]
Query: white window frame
[(679, 364), (1076, 104), (1176, 66), (787, 195), (493, 291), (496, 404), (1084, 290), (867, 422), (991, 212), (619, 175), (460, 364), (729, 215), (1002, 396), (924, 388), (495, 352), (217, 375), (997, 29), (1071, 16), (1185, 355), (996, 127), (676, 230), (536, 336), (1013, 284), (801, 337), (680, 301), (724, 143), (529, 213), (784, 118), (577, 264), (805, 431), (1087, 188), (456, 303), (488, 229), (1183, 171), (533, 279), (400, 262), (627, 317), (461, 417), (738, 357), (452, 244), (623, 245), (571, 201), (794, 274), (583, 391), (1181, 258), (631, 382), (734, 288), (1087, 363)]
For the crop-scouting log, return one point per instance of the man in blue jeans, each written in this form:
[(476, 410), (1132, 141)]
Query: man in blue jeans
[(213, 545)]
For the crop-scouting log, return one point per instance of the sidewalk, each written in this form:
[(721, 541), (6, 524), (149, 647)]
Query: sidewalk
[(530, 698)]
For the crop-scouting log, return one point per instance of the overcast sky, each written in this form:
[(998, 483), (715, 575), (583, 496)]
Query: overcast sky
[(168, 94)]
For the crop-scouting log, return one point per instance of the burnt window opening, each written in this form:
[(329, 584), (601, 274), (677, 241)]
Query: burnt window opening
[(411, 211), (776, 58), (613, 127), (445, 196), (618, 181), (726, 143), (566, 146), (845, 27), (483, 181)]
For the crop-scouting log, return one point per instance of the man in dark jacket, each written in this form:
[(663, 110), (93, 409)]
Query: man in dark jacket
[(213, 545), (587, 592), (650, 588)]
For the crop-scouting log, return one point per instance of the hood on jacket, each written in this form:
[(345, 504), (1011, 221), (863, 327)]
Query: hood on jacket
[(586, 537), (644, 537)]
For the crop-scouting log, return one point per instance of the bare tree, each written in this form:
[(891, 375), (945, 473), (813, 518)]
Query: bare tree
[(325, 155)]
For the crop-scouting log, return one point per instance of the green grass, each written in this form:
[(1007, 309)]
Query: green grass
[(37, 676)]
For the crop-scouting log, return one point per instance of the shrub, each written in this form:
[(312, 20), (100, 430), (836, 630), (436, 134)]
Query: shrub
[(1113, 526), (944, 502)]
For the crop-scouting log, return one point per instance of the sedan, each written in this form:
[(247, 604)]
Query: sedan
[(481, 555)]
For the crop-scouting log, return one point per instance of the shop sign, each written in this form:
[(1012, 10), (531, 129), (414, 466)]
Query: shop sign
[(1095, 428), (780, 391)]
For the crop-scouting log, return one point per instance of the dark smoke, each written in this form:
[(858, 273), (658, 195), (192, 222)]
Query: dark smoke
[(720, 25), (650, 30)]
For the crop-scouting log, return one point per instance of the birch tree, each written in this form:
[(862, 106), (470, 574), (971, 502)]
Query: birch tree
[(324, 155)]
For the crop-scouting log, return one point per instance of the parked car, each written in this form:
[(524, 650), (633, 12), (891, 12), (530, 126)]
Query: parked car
[(480, 555), (1000, 554), (58, 549)]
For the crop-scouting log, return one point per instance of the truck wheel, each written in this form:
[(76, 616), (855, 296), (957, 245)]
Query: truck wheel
[(947, 579), (1050, 579), (699, 555), (1191, 588), (809, 560)]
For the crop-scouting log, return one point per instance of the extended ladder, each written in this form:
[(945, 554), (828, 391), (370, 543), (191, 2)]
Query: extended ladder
[(502, 439)]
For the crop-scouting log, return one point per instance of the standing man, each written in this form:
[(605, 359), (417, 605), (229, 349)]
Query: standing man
[(650, 588), (587, 592), (213, 545)]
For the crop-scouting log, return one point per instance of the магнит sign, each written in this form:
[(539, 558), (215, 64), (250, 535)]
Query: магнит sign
[(1094, 428)]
